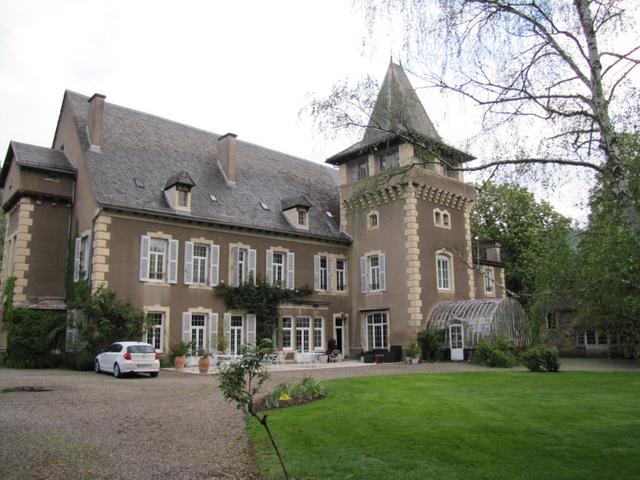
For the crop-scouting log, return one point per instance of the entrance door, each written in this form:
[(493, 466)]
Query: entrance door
[(197, 333), (456, 342), (339, 337), (303, 334), (236, 334)]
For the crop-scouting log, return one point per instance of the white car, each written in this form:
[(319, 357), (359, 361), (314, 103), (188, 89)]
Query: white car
[(126, 357)]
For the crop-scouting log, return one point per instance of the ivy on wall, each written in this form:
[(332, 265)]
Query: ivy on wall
[(262, 299)]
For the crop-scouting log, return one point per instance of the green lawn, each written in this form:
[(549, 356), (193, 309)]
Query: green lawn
[(506, 425)]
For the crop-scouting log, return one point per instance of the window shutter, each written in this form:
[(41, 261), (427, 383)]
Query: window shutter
[(270, 267), (227, 332), (364, 275), (251, 329), (188, 263), (213, 332), (383, 273), (316, 272), (76, 260), (86, 261), (214, 277), (328, 274), (143, 274), (291, 270), (235, 253), (252, 265), (173, 261), (186, 327)]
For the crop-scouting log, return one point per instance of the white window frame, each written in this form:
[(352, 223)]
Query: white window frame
[(324, 273), (289, 330), (446, 258), (374, 273), (278, 272), (203, 328), (302, 218), (164, 255), (489, 281), (318, 330), (234, 331), (377, 333), (200, 262), (243, 264), (157, 331), (341, 275), (299, 342)]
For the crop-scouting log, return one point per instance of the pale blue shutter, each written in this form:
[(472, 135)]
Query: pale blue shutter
[(86, 261), (76, 260), (291, 270), (213, 332), (214, 277), (251, 329), (188, 263), (227, 332), (270, 267), (173, 261), (143, 273), (252, 265), (364, 275), (235, 252), (186, 327), (316, 272), (383, 272), (328, 274)]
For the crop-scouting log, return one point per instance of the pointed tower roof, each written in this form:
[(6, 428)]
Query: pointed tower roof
[(397, 112), (398, 109)]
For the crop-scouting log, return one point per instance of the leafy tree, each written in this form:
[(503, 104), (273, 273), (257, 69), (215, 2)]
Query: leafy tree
[(241, 381), (558, 70), (610, 256)]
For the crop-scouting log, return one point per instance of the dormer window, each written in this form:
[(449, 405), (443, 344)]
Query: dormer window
[(296, 210), (177, 191)]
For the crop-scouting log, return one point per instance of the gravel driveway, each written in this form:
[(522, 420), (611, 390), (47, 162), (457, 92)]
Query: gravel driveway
[(171, 427)]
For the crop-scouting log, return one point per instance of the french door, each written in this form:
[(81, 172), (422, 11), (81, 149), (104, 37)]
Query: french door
[(456, 341), (303, 334), (236, 334)]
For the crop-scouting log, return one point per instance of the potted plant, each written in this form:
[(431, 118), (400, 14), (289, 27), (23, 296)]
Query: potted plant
[(412, 352), (203, 361), (178, 352)]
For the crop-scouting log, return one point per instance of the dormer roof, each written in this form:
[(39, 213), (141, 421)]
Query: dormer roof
[(295, 201), (181, 178)]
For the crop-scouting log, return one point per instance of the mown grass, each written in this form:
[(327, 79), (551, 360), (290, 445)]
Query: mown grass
[(514, 425)]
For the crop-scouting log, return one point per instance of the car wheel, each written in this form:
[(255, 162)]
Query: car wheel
[(153, 374), (97, 367), (116, 371)]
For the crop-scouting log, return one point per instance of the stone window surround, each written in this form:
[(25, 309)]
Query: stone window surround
[(203, 241), (167, 323), (442, 213), (368, 255), (449, 255), (163, 236), (241, 246), (492, 279), (331, 281), (368, 219)]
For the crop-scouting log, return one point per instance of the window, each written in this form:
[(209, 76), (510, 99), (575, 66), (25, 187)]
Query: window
[(242, 266), (552, 324), (318, 333), (323, 274), (437, 216), (139, 182), (373, 220), (197, 332), (82, 258), (488, 281), (157, 259), (446, 169), (580, 337), (441, 218), (388, 160), (155, 334), (341, 285), (377, 331), (360, 170), (320, 273), (443, 267), (236, 334), (183, 196), (278, 268), (286, 332), (591, 337), (445, 219), (372, 273), (302, 217), (200, 256), (602, 338), (303, 334)]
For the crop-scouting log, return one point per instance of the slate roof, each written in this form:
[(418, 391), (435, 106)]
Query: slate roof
[(295, 201), (32, 156), (181, 178), (397, 110), (150, 148)]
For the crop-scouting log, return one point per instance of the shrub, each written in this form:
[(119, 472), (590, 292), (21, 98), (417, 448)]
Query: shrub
[(501, 359), (432, 343), (481, 353), (412, 351), (83, 361), (33, 336), (541, 358)]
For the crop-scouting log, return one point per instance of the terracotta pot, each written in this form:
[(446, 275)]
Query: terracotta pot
[(178, 362), (203, 365)]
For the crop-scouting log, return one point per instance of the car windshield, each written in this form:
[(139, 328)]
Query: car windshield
[(140, 349)]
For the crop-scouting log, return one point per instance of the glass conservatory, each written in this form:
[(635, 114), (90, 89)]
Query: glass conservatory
[(468, 321)]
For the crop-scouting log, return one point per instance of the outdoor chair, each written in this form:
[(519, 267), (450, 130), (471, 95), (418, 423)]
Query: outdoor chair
[(336, 356)]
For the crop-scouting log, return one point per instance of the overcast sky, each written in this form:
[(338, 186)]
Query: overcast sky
[(234, 66)]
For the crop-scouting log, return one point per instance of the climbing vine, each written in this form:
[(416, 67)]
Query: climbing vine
[(262, 299)]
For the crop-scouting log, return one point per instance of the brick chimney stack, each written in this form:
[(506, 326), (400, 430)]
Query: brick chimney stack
[(227, 156), (95, 120)]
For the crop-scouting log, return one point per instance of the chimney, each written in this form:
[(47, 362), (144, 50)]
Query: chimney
[(227, 155), (493, 252), (94, 122)]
